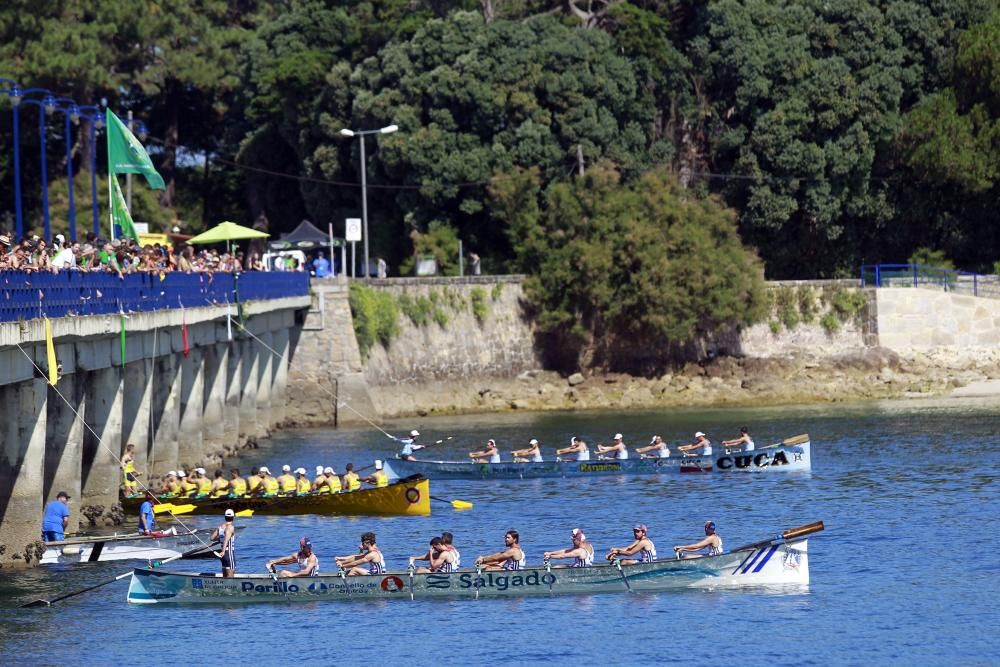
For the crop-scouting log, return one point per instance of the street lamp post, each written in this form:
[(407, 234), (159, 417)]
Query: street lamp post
[(388, 129), (96, 119), (71, 114), (45, 107), (15, 93)]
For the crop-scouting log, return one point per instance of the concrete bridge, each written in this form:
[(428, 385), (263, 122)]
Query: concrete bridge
[(184, 383)]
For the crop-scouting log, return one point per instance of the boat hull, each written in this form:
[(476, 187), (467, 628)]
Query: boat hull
[(122, 547), (794, 457), (770, 565), (406, 497)]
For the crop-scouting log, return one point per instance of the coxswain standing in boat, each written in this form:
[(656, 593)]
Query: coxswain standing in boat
[(642, 547), (511, 558), (409, 445), (710, 546), (286, 481), (658, 448), (582, 551), (56, 518), (147, 518), (237, 485), (220, 485), (129, 473), (618, 449), (532, 453), (700, 442), (302, 485), (369, 561), (744, 442), (489, 455), (226, 535), (351, 481), (305, 558), (576, 446), (378, 479)]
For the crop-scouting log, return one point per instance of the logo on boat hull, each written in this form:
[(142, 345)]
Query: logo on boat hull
[(392, 584), (600, 467), (761, 460)]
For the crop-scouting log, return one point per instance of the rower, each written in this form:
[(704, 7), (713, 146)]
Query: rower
[(332, 480), (489, 455), (710, 546), (378, 479), (409, 445), (237, 485), (129, 473), (253, 481), (319, 481), (642, 547), (302, 485), (531, 453), (369, 559), (220, 485), (147, 518), (744, 441), (286, 481), (268, 486), (576, 446), (618, 450), (446, 539), (204, 484), (226, 534), (351, 480), (700, 442), (56, 518), (305, 558), (657, 447), (188, 487), (582, 551), (511, 558), (168, 488), (441, 558)]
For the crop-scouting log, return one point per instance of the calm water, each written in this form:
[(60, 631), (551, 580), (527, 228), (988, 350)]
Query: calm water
[(906, 572)]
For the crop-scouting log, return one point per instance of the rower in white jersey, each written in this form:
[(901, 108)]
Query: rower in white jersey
[(306, 560), (657, 449), (642, 548), (488, 455), (710, 546), (744, 442), (576, 446), (618, 450), (700, 442), (511, 558), (369, 560), (532, 453), (582, 551)]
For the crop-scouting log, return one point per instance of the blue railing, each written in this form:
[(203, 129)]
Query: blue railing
[(31, 295), (917, 275)]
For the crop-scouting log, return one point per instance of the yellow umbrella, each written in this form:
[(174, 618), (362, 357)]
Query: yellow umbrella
[(227, 231)]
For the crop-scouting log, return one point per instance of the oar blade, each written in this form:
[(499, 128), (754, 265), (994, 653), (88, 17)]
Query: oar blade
[(36, 603), (163, 507), (461, 505), (183, 509), (245, 513)]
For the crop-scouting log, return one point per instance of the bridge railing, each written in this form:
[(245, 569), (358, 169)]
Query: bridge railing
[(31, 295), (932, 277)]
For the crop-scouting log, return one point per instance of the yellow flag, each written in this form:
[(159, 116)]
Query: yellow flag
[(50, 348)]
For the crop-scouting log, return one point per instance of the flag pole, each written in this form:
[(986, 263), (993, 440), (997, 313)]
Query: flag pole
[(111, 174)]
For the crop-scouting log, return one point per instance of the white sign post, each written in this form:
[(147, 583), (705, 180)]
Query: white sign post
[(352, 233)]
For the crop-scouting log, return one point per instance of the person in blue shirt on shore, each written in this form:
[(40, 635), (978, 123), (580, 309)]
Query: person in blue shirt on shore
[(56, 518), (147, 518), (321, 265)]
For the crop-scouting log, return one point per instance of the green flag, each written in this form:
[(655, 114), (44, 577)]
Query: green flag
[(126, 155), (119, 211)]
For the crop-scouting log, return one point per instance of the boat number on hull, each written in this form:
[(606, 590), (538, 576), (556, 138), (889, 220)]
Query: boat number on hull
[(413, 495), (762, 460)]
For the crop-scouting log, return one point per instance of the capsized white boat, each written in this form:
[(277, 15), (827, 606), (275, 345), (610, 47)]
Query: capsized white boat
[(782, 560), (125, 547)]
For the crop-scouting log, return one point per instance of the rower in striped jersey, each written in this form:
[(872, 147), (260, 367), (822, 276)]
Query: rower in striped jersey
[(642, 548), (441, 558), (369, 560), (582, 551), (511, 558)]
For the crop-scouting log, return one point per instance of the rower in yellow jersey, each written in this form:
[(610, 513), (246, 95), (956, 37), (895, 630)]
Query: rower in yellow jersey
[(253, 481), (302, 485), (220, 485), (168, 489), (332, 480), (319, 482), (129, 473), (286, 481), (378, 479), (268, 486), (351, 480), (188, 488), (237, 485), (204, 484)]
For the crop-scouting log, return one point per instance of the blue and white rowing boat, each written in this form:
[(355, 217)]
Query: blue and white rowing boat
[(780, 561), (788, 455)]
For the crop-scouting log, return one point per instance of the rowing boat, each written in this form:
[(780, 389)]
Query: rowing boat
[(406, 497), (102, 548), (777, 562), (791, 454)]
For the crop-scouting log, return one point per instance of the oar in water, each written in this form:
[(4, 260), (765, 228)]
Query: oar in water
[(618, 565), (457, 504), (790, 534), (48, 603)]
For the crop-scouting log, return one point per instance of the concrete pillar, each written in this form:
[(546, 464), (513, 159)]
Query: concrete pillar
[(248, 389), (136, 413), (265, 367), (21, 469), (213, 422), (102, 442), (234, 378), (64, 442), (166, 414), (189, 449), (279, 387)]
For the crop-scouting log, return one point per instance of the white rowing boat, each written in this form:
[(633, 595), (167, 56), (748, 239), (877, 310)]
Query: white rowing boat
[(792, 454), (777, 562), (124, 547)]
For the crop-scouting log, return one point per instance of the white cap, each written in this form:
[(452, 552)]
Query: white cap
[(414, 433), (378, 464), (491, 442), (200, 471), (572, 440), (576, 532), (180, 473), (171, 473), (699, 434), (319, 469), (653, 439), (300, 471), (230, 512), (60, 238), (264, 469), (286, 468), (618, 436), (328, 470), (532, 442)]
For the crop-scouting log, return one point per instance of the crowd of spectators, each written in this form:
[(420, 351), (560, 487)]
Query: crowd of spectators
[(120, 256)]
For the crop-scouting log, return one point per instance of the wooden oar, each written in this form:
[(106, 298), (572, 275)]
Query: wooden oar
[(457, 504), (791, 533), (48, 603)]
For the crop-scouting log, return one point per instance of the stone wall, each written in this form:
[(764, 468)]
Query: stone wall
[(921, 319)]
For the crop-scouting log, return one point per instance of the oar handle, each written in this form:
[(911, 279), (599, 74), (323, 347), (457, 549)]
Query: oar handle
[(808, 529)]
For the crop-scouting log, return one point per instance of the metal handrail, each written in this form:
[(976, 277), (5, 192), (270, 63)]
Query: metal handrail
[(915, 275)]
